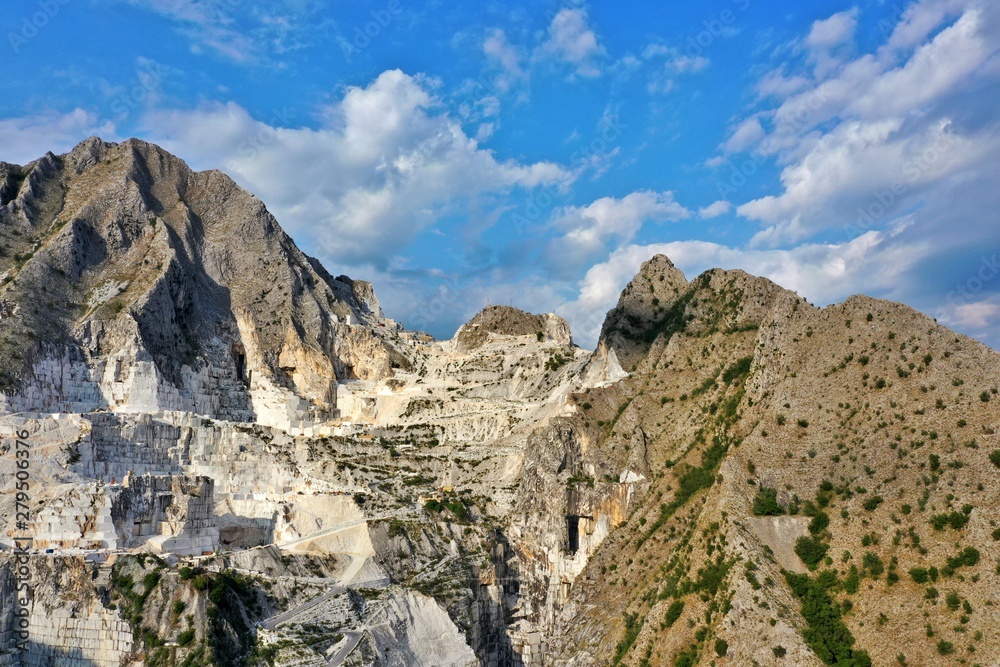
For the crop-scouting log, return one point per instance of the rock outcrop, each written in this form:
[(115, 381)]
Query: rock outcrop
[(237, 459), (134, 283), (508, 321)]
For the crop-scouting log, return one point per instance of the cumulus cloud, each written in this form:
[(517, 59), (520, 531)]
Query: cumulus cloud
[(509, 58), (586, 231), (828, 38), (977, 316), (29, 137), (387, 163), (823, 273), (747, 134), (883, 134), (572, 41), (715, 209), (834, 31)]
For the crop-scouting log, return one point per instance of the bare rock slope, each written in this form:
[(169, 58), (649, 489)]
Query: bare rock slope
[(130, 280), (259, 468)]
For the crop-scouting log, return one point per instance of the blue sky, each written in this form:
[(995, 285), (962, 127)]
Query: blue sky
[(459, 154)]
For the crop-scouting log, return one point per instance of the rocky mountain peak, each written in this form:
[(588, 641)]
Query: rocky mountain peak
[(733, 477), (510, 321), (141, 258)]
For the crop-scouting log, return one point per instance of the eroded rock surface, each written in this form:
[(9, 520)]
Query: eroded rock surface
[(237, 459)]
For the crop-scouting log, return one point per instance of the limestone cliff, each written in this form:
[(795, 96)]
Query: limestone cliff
[(258, 468), (130, 281)]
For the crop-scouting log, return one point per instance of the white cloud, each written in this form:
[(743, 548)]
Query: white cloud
[(855, 165), (828, 39), (586, 231), (30, 137), (246, 34), (834, 31), (824, 273), (387, 163), (980, 315), (508, 57), (747, 134), (572, 41), (657, 50), (920, 19), (880, 135), (715, 209), (675, 63)]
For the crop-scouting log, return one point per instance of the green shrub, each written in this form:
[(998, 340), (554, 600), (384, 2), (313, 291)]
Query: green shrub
[(969, 556), (852, 581), (433, 505), (873, 502), (945, 648), (956, 520), (721, 647), (819, 522), (995, 457), (826, 633), (674, 612), (185, 638), (765, 503), (741, 367), (871, 562), (688, 658), (811, 551), (150, 580), (633, 626), (919, 575)]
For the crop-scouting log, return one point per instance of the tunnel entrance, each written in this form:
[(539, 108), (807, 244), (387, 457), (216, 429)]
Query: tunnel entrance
[(240, 360), (572, 534)]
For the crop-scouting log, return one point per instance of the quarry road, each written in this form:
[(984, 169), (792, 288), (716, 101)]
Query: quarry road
[(329, 531), (353, 639), (275, 621)]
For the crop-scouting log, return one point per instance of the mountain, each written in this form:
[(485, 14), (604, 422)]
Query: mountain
[(237, 459), (802, 469), (130, 281)]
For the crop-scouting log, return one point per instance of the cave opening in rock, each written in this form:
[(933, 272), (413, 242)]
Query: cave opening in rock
[(572, 534), (240, 359)]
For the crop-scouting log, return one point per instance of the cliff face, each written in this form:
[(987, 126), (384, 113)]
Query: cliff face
[(131, 281), (508, 321), (727, 453), (848, 447)]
